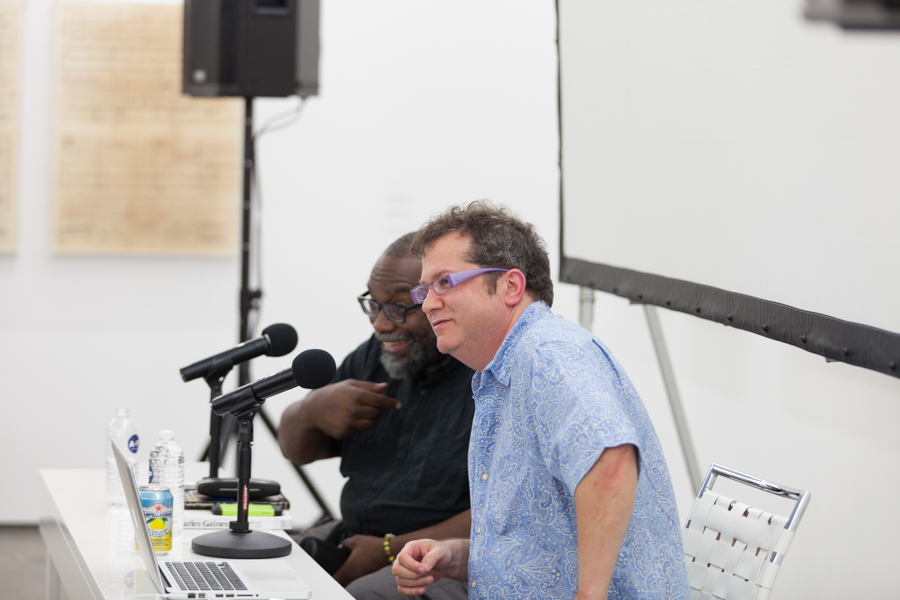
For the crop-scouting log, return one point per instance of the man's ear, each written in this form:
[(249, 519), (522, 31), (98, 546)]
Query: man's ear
[(515, 287)]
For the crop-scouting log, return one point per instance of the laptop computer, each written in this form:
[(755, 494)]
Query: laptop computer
[(267, 579)]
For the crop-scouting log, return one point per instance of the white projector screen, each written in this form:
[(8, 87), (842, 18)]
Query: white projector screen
[(734, 161)]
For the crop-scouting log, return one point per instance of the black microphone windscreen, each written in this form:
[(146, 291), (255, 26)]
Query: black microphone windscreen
[(282, 339), (313, 369)]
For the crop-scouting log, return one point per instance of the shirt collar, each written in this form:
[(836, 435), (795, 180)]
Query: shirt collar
[(500, 368)]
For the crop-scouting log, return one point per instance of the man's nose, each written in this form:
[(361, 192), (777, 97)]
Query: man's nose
[(432, 302)]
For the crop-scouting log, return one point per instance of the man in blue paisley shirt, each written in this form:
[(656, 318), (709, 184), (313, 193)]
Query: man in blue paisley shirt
[(571, 496)]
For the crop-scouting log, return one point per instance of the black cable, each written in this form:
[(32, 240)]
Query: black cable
[(290, 117)]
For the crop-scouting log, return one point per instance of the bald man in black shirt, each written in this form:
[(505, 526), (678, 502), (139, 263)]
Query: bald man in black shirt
[(399, 414)]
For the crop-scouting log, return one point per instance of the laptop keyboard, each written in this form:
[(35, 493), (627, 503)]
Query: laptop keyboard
[(196, 576)]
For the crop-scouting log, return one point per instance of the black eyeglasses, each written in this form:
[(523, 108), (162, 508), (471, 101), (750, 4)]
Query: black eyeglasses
[(394, 312)]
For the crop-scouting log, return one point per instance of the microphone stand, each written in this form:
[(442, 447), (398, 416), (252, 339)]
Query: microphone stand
[(245, 442), (239, 541), (216, 376)]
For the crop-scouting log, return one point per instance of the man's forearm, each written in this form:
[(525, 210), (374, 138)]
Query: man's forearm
[(369, 554), (300, 440), (604, 501)]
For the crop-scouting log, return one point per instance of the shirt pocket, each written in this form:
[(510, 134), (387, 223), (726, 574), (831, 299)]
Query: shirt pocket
[(511, 496)]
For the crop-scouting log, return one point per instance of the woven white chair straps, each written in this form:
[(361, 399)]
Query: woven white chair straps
[(733, 550)]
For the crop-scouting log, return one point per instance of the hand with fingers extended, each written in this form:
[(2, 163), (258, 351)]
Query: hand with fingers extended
[(366, 556), (335, 412), (343, 409), (423, 562)]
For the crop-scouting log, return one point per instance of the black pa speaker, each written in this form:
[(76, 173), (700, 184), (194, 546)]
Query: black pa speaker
[(251, 48)]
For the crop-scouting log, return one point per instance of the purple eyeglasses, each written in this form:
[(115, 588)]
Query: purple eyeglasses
[(445, 283)]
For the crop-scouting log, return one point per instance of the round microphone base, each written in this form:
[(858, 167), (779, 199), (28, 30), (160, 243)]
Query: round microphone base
[(233, 544)]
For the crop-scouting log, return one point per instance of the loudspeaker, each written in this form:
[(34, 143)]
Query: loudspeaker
[(251, 48)]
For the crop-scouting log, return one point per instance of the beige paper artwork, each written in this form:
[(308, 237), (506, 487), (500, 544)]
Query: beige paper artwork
[(10, 98), (139, 167)]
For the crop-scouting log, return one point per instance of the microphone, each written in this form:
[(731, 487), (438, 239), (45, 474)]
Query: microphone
[(276, 340), (311, 369)]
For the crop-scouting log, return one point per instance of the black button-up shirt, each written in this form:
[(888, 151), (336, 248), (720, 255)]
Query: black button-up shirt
[(409, 470)]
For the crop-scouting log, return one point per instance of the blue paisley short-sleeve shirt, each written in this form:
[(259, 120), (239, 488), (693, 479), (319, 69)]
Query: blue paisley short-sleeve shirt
[(546, 407)]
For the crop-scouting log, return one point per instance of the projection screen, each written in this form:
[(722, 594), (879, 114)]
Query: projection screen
[(736, 162)]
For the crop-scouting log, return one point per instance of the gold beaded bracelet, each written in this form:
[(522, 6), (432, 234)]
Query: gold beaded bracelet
[(387, 547)]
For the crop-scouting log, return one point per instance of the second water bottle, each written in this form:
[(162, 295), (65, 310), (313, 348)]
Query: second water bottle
[(167, 469)]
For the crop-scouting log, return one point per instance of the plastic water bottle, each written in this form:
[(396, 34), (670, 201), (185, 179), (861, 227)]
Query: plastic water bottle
[(122, 430), (167, 469)]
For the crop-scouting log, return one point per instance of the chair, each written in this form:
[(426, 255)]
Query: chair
[(734, 551)]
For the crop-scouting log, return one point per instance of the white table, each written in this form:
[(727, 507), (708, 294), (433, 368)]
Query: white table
[(90, 548)]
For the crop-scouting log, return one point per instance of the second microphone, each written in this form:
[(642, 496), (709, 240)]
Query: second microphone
[(311, 370)]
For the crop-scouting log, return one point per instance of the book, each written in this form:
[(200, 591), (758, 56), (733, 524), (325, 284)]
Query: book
[(205, 519), (194, 500), (254, 510)]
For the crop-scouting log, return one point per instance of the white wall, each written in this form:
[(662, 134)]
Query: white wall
[(422, 105)]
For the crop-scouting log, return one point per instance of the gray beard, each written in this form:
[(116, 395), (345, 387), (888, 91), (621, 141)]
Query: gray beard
[(423, 353)]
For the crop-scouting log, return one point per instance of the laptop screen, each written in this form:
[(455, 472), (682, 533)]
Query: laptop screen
[(132, 498)]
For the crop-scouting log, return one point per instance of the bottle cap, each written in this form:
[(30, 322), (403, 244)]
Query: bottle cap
[(167, 434), (121, 412)]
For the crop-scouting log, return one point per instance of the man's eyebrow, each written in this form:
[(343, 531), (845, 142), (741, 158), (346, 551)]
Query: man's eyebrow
[(441, 272)]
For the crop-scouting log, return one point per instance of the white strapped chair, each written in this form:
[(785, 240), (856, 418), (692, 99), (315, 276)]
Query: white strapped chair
[(733, 550)]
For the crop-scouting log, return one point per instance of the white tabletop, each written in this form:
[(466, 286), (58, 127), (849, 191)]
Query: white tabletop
[(91, 548)]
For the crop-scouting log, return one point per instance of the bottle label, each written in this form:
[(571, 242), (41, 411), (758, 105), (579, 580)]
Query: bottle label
[(133, 443)]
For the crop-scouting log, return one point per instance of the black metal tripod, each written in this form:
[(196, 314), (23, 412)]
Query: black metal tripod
[(225, 428)]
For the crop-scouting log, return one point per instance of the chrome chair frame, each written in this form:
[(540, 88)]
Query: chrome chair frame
[(800, 497)]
